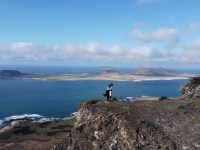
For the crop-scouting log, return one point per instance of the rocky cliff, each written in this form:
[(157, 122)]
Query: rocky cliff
[(192, 89), (142, 125)]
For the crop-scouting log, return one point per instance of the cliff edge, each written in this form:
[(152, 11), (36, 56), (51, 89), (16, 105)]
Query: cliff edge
[(141, 125), (192, 89)]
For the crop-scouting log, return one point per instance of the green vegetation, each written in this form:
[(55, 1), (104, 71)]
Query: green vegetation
[(30, 129), (52, 128)]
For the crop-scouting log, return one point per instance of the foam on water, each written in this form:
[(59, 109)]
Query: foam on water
[(17, 117), (42, 120), (75, 114), (33, 117), (1, 122)]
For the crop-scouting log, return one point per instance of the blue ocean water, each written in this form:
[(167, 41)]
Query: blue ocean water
[(61, 98)]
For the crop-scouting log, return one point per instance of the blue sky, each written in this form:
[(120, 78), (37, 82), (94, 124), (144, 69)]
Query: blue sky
[(100, 32)]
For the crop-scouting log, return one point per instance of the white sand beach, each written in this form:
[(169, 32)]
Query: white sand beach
[(112, 77)]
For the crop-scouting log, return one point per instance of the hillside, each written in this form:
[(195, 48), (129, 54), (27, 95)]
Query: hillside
[(109, 70), (156, 72), (142, 125), (15, 74), (11, 74)]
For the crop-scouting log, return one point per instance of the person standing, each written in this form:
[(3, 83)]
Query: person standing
[(108, 93)]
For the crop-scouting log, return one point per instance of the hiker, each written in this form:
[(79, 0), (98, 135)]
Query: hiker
[(108, 93)]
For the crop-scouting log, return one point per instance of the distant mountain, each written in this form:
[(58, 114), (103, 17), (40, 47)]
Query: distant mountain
[(156, 72), (11, 74), (108, 70)]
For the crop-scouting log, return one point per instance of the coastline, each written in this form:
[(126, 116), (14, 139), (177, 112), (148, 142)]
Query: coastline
[(112, 77), (34, 118)]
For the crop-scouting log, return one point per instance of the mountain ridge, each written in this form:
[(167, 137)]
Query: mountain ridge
[(156, 72), (11, 74)]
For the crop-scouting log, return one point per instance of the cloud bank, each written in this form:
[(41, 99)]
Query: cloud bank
[(163, 45), (97, 53), (168, 35)]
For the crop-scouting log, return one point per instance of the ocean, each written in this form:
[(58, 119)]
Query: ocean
[(61, 98)]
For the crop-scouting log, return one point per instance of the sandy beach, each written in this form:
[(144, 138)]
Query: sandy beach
[(112, 77)]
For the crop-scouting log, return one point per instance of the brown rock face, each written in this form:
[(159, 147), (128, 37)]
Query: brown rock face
[(192, 88), (142, 125), (166, 125)]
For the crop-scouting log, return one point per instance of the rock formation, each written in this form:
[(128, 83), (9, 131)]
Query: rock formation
[(192, 88), (142, 125)]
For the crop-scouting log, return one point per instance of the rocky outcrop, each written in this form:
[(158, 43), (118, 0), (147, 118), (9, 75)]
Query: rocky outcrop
[(140, 125), (158, 125), (192, 88)]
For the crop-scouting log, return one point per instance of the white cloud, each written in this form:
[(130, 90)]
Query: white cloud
[(166, 35), (195, 26), (191, 52), (84, 53), (21, 45), (195, 45), (93, 52), (98, 53)]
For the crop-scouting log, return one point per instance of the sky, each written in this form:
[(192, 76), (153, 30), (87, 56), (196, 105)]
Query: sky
[(131, 33)]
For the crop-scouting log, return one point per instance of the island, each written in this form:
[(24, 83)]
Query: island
[(157, 72), (16, 74), (143, 74), (6, 74), (114, 75)]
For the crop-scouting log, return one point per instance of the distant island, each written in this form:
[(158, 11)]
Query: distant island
[(156, 72), (110, 70), (143, 74), (5, 74), (15, 74)]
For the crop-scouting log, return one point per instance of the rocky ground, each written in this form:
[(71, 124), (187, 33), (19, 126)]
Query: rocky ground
[(139, 125)]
